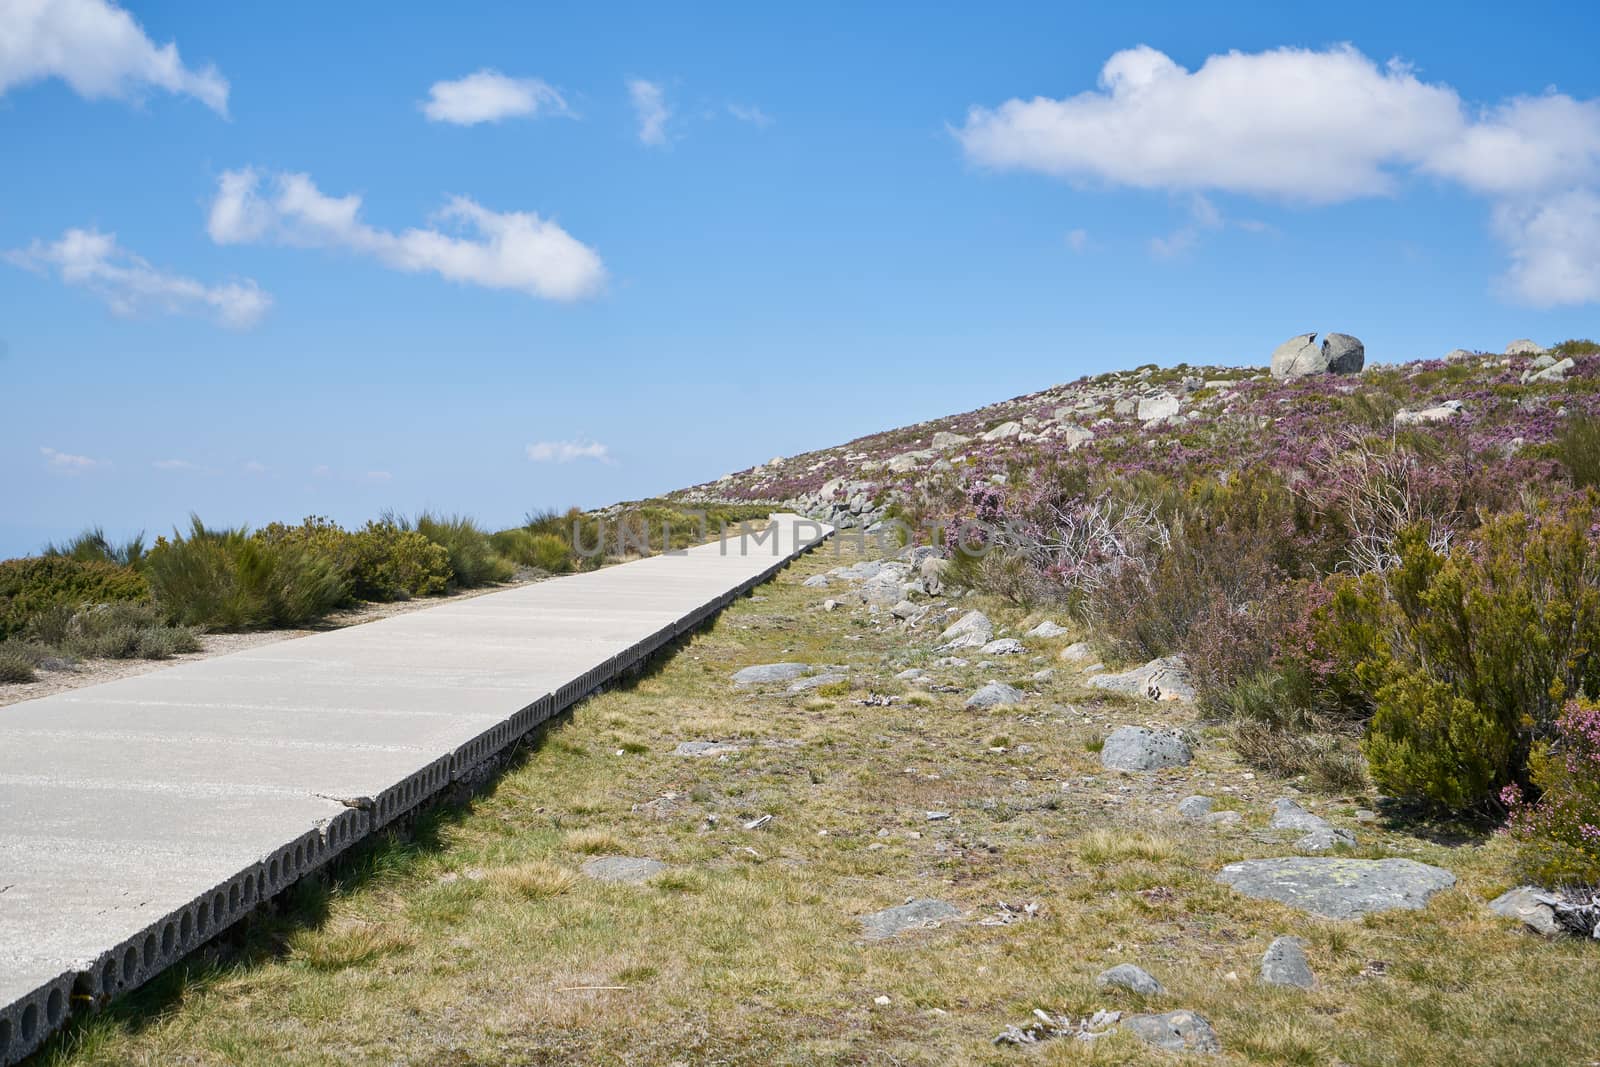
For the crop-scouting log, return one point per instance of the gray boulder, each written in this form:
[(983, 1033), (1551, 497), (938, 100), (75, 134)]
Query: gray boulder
[(1077, 652), (1458, 353), (816, 581), (1556, 372), (1196, 807), (1524, 347), (1166, 678), (1423, 416), (1136, 748), (913, 915), (763, 673), (995, 695), (972, 630), (624, 869), (1531, 906), (805, 685), (944, 440), (1127, 976), (1048, 628), (1288, 815), (1337, 888), (706, 748), (1285, 964), (1157, 406), (1301, 355), (1174, 1031), (1324, 839), (1004, 646)]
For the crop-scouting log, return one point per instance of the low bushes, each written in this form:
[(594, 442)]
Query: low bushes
[(1559, 832), (232, 580), (473, 560), (381, 561), (111, 631), (1467, 657), (31, 586)]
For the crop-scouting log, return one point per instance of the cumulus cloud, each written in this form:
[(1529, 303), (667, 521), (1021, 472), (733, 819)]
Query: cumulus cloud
[(500, 250), (99, 50), (748, 113), (1319, 127), (66, 462), (129, 284), (567, 451), (650, 106), (489, 96)]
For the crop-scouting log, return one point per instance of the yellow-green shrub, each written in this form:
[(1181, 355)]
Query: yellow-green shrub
[(31, 586)]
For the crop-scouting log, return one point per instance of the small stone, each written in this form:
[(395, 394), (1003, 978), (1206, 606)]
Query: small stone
[(770, 672), (938, 816), (625, 869), (816, 581), (1531, 906), (911, 674), (1224, 818), (1127, 976), (829, 605), (994, 695), (1324, 839), (1166, 678), (1046, 675), (881, 1001), (1047, 629), (1005, 646), (706, 748), (1076, 652), (1195, 807), (1288, 815), (807, 684), (1338, 888), (1136, 748), (913, 915), (1174, 1031), (1285, 964)]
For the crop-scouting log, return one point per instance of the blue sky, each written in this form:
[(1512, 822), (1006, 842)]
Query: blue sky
[(604, 253)]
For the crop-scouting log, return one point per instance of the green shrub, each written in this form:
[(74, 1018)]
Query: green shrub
[(1575, 347), (545, 551), (230, 579), (1559, 831), (93, 546), (113, 631), (473, 560), (1577, 448), (1466, 657), (31, 586), (389, 563), (15, 666)]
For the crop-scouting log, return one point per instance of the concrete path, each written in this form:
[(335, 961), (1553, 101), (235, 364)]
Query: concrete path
[(140, 817)]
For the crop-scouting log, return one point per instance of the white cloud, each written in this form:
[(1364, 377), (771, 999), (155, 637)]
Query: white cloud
[(1077, 239), (751, 114), (129, 284), (255, 466), (1555, 248), (99, 50), (379, 476), (650, 105), (1319, 127), (489, 96), (1203, 215), (507, 250), (175, 465), (66, 462), (567, 451)]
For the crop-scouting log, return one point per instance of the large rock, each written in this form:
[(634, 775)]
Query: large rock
[(1004, 646), (1157, 406), (972, 630), (1048, 628), (1284, 964), (1524, 347), (1127, 976), (1001, 432), (995, 695), (914, 915), (1531, 906), (763, 673), (1136, 748), (1556, 372), (1174, 1031), (1166, 678), (1288, 815), (1337, 888), (1301, 355), (944, 440), (1438, 413), (933, 569), (805, 685)]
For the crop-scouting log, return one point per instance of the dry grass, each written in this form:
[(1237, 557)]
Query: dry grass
[(747, 950)]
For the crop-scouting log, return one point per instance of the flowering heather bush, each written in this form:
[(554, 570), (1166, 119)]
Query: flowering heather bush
[(1560, 831)]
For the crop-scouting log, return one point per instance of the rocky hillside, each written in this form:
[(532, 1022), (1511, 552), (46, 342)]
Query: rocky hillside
[(1508, 406)]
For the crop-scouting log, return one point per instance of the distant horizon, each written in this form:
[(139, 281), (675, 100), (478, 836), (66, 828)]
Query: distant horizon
[(529, 259)]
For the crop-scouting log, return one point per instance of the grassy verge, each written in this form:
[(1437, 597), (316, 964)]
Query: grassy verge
[(477, 940)]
